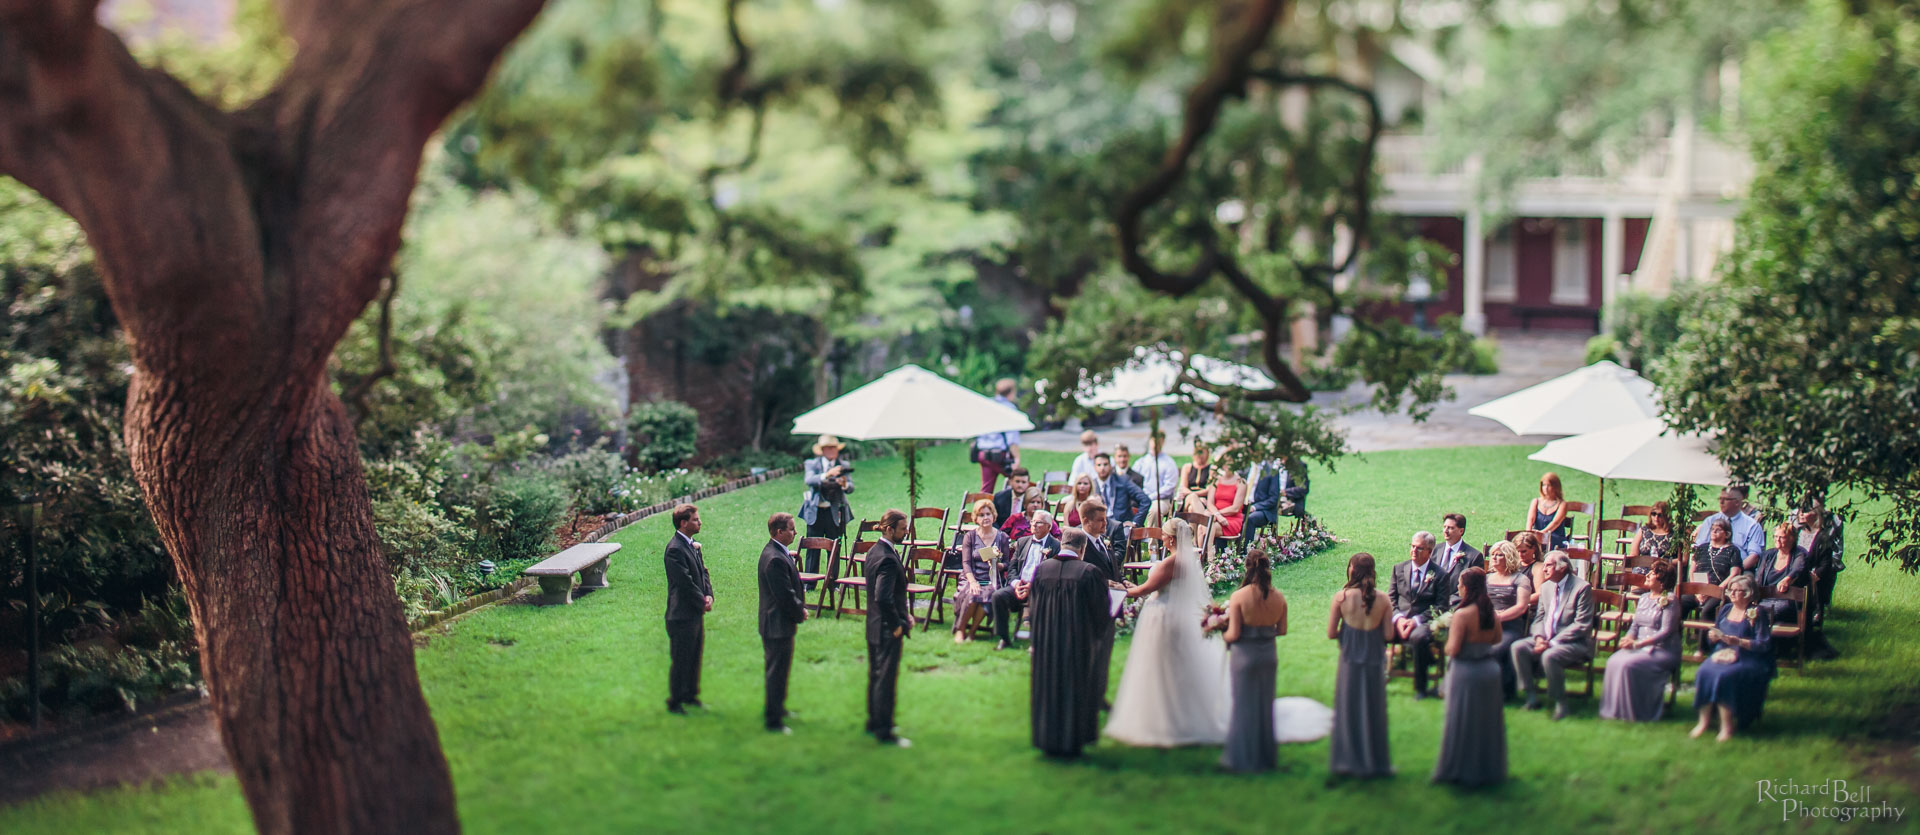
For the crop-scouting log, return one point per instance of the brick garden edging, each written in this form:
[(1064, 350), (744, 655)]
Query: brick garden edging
[(615, 525)]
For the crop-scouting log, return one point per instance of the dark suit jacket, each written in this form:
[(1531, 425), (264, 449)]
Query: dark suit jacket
[(1411, 601), (886, 594), (688, 586), (1266, 494), (1100, 555), (1017, 556), (1469, 557), (1138, 480), (1129, 501), (782, 600), (1003, 508)]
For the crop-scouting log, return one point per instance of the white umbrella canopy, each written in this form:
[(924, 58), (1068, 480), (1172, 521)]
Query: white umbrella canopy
[(911, 403), (1644, 450), (1600, 396), (1151, 379)]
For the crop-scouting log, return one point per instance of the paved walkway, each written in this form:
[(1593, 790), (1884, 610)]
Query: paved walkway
[(1525, 359)]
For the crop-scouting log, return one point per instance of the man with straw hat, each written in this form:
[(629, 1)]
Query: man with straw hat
[(825, 508)]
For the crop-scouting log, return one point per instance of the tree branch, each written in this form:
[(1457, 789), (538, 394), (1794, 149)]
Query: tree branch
[(1227, 78), (356, 397)]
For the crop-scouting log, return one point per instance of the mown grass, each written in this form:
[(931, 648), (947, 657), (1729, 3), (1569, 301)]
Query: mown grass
[(553, 718)]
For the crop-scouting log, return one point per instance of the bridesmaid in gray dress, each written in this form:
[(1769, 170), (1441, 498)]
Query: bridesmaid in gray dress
[(1359, 622), (1473, 744), (1256, 614), (1637, 675)]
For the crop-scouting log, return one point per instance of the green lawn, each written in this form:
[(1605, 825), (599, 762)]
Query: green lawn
[(553, 718)]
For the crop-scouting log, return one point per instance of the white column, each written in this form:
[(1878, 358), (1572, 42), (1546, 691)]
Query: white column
[(1473, 274), (1613, 244)]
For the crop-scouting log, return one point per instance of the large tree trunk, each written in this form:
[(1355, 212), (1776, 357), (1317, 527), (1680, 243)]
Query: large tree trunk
[(266, 513), (237, 248)]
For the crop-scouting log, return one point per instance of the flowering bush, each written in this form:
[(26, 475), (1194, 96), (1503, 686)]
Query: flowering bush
[(1227, 568), (636, 489)]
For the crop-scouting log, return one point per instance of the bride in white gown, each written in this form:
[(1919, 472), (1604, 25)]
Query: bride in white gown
[(1173, 690)]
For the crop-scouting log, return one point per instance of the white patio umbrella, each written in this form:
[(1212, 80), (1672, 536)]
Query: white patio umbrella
[(1644, 450), (1600, 396), (911, 403), (1153, 380)]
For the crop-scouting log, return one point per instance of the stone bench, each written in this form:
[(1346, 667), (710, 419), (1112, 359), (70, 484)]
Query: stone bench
[(588, 559)]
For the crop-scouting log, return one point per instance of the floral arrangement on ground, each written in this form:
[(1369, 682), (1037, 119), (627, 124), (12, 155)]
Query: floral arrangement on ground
[(1229, 566)]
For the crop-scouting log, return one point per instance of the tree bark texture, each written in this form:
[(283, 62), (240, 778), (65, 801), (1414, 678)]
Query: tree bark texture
[(237, 248)]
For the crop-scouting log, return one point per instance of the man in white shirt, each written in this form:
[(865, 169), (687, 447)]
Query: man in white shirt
[(1089, 447), (1160, 476), (1417, 589), (1748, 536)]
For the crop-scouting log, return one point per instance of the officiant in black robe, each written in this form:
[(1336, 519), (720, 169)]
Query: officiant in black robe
[(1069, 611)]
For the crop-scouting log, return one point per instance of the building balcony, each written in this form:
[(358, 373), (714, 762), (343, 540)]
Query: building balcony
[(1706, 180)]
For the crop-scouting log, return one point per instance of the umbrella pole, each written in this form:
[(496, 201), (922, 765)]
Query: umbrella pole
[(1593, 528)]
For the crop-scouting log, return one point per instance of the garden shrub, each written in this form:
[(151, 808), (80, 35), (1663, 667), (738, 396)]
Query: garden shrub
[(663, 434), (523, 514)]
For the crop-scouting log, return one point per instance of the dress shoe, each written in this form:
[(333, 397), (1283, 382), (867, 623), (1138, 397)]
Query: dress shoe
[(779, 729), (1533, 703), (676, 709), (1422, 695), (1559, 712), (696, 703), (1002, 645)]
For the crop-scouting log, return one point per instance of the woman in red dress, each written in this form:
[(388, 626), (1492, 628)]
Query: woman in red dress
[(1228, 505)]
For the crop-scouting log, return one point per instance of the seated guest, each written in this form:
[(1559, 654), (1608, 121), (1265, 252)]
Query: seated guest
[(1562, 634), (1454, 554), (1416, 590), (1227, 505), (1636, 678), (1735, 677), (1547, 513), (1263, 510), (1527, 543), (1819, 535), (1743, 530), (1068, 510), (1126, 502), (982, 552), (1716, 562), (1511, 590), (1025, 555), (1160, 477), (1019, 524), (1083, 463), (1785, 568), (1011, 500), (1122, 464), (1655, 538), (1196, 478)]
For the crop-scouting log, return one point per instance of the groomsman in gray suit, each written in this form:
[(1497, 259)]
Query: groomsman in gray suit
[(1562, 634)]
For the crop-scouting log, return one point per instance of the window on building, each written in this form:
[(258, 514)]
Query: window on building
[(1503, 284), (1570, 262)]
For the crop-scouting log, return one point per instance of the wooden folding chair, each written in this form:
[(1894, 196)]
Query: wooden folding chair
[(1692, 626), (925, 579), (854, 579), (965, 522), (832, 547), (1798, 631), (1139, 568), (1585, 539), (1058, 489), (1640, 510), (1619, 552), (1586, 559), (914, 540), (1054, 477)]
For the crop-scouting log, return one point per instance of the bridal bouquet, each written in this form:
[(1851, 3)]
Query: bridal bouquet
[(1439, 626), (1212, 617), (1726, 655)]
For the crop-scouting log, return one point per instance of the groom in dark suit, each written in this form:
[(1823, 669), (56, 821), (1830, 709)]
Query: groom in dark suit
[(782, 608), (889, 621), (1454, 555), (1419, 587), (689, 599)]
